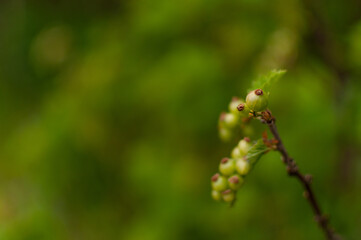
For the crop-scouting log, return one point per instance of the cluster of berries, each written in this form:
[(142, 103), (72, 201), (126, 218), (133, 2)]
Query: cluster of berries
[(232, 173), (233, 170), (239, 110), (229, 121)]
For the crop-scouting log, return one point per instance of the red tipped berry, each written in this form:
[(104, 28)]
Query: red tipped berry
[(226, 167), (233, 105), (240, 107), (235, 182), (228, 195), (256, 100), (219, 183)]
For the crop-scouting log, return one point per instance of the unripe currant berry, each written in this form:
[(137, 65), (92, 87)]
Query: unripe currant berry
[(216, 195), (219, 183), (235, 182), (257, 101), (233, 105), (228, 195), (230, 120), (242, 166), (243, 109), (227, 167), (221, 119), (225, 134), (236, 153), (244, 145)]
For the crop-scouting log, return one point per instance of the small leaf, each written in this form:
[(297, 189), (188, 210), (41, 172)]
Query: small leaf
[(256, 151), (266, 81)]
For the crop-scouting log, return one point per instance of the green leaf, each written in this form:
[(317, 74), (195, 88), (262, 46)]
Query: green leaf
[(256, 151), (266, 81)]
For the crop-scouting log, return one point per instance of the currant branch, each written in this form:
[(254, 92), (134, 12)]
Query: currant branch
[(293, 171), (234, 170)]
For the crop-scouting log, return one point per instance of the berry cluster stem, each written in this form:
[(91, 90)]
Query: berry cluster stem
[(305, 180)]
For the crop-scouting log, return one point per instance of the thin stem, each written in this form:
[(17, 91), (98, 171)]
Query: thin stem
[(305, 180)]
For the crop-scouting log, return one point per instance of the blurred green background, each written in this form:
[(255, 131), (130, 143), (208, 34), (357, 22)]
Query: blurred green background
[(109, 111)]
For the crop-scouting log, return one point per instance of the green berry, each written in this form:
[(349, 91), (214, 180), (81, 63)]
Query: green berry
[(243, 109), (256, 100), (233, 105), (219, 183), (244, 145), (227, 167), (243, 167), (236, 153), (228, 195), (230, 120), (225, 134), (221, 119), (235, 182), (216, 195)]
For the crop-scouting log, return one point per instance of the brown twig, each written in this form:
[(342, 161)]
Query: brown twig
[(305, 180)]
